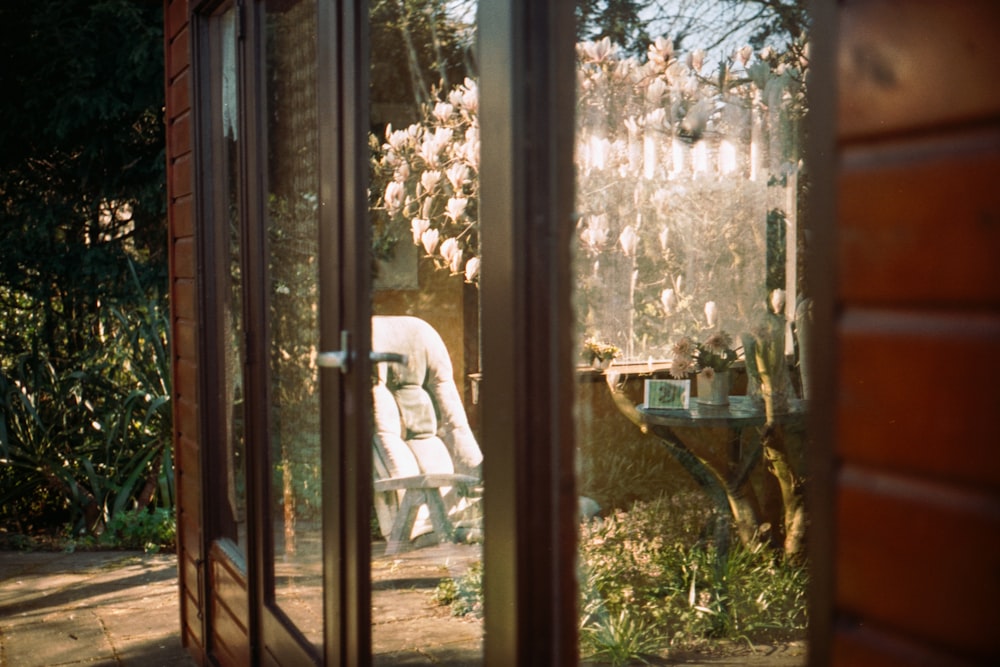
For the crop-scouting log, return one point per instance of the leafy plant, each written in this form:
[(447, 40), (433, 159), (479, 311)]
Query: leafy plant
[(463, 595), (94, 440), (149, 530)]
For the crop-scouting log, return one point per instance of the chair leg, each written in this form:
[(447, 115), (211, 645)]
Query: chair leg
[(402, 527)]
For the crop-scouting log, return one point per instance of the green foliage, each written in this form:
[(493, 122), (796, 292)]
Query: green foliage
[(464, 596), (418, 46), (650, 581), (81, 170), (620, 639), (84, 369), (638, 564), (91, 441), (142, 529)]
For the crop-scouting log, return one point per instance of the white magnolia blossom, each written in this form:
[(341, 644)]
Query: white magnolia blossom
[(456, 207), (448, 249), (660, 52), (669, 300), (443, 111), (455, 263), (664, 238), (711, 313), (430, 179), (457, 175), (395, 196), (472, 269), (418, 226), (778, 301), (429, 240), (629, 241), (595, 234)]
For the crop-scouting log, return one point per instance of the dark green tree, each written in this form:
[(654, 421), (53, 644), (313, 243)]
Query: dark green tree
[(81, 166), (419, 46), (84, 368), (618, 20)]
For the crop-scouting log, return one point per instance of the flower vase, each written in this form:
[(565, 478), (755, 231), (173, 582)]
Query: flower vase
[(601, 364), (713, 387)]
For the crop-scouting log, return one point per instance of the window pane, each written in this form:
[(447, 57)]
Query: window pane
[(424, 186), (689, 182), (292, 270), (224, 178)]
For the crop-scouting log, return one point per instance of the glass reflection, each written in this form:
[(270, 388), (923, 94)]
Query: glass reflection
[(292, 252), (426, 522), (691, 310)]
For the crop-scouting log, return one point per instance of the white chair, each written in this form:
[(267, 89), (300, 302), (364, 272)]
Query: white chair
[(425, 454)]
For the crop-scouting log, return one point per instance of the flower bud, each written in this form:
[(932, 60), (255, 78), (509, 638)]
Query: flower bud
[(711, 313)]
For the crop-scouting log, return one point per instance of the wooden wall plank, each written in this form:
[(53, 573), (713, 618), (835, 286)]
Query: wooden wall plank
[(179, 95), (921, 558), (185, 300), (186, 422), (185, 340), (920, 222), (901, 371), (906, 65), (182, 216), (864, 646), (182, 175), (192, 626), (229, 586), (180, 136), (178, 53), (184, 258)]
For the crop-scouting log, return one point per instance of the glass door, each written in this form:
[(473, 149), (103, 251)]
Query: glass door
[(289, 305), (363, 376), (693, 317), (423, 134)]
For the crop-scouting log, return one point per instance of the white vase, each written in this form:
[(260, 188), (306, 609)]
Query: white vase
[(714, 390)]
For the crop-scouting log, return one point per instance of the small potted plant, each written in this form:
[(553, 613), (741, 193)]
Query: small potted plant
[(599, 354), (711, 361)]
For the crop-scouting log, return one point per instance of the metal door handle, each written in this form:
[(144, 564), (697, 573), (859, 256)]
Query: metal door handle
[(341, 358), (392, 357)]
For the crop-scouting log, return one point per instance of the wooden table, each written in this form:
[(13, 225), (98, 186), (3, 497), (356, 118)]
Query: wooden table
[(722, 465)]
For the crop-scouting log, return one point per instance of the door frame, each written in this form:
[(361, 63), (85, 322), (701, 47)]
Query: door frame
[(527, 102), (346, 401)]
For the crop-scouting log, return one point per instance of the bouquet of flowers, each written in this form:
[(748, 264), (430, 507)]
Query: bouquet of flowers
[(715, 355)]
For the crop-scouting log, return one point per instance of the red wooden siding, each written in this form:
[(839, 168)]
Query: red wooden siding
[(180, 187), (917, 500)]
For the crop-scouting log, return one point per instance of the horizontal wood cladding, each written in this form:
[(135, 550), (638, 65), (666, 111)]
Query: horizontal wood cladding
[(920, 221), (185, 340), (919, 393), (181, 175), (186, 373), (192, 624), (186, 418), (179, 95), (184, 258), (864, 646), (184, 305), (180, 135), (175, 17), (182, 217), (230, 610), (906, 65), (178, 51), (920, 558)]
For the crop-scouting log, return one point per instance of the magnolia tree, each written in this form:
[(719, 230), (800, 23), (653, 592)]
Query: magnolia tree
[(426, 182), (686, 191)]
